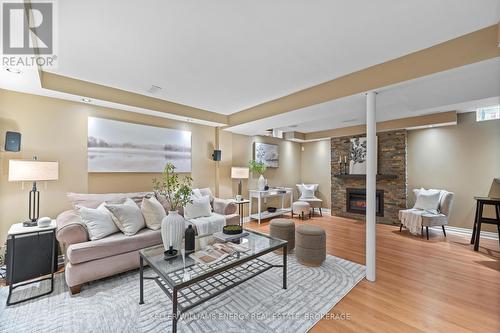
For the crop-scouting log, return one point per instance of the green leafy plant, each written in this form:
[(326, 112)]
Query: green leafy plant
[(258, 167), (177, 190)]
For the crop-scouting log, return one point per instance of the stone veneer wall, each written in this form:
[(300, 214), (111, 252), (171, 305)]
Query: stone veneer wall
[(391, 160)]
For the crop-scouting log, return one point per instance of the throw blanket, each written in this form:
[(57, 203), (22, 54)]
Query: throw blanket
[(207, 225), (412, 219)]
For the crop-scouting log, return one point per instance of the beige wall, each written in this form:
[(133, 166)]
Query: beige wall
[(463, 159), (289, 171), (55, 129), (316, 168)]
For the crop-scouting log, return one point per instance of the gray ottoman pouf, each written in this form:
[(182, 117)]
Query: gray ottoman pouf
[(301, 208), (283, 229), (310, 245)]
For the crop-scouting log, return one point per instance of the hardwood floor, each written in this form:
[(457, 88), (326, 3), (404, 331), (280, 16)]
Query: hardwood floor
[(436, 285)]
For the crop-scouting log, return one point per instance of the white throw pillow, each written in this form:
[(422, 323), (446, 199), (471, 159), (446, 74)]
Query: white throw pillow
[(153, 213), (127, 217), (427, 199), (98, 221), (199, 208), (307, 191)]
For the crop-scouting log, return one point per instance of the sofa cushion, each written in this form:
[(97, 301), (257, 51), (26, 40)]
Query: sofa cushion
[(153, 213), (90, 200), (199, 207), (112, 245), (127, 217), (99, 221)]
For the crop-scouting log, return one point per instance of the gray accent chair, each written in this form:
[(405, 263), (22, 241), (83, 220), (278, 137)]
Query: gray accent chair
[(435, 220)]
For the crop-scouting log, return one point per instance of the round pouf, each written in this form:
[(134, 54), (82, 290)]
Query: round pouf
[(310, 247), (283, 229), (301, 208)]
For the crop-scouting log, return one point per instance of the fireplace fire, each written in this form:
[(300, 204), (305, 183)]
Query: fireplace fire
[(356, 201)]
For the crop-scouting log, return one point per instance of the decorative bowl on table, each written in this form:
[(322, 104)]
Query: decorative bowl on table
[(271, 209), (232, 229)]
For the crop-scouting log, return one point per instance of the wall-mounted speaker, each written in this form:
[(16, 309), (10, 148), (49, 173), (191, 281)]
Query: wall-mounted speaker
[(217, 155), (12, 141)]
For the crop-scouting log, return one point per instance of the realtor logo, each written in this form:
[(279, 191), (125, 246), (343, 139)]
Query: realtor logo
[(28, 33)]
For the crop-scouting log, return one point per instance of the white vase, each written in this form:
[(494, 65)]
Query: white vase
[(261, 183), (172, 230)]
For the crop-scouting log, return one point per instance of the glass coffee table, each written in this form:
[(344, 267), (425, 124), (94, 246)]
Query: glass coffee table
[(188, 283)]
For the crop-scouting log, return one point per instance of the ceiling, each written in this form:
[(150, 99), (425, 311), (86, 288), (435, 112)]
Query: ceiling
[(461, 89), (225, 56)]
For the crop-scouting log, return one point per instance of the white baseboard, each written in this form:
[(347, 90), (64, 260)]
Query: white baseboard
[(467, 232)]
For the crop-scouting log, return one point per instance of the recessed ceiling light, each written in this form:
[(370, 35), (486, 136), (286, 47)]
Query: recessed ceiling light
[(154, 89), (86, 100), (13, 70), (431, 126)]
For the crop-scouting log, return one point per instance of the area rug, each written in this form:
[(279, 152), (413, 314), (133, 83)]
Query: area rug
[(257, 305)]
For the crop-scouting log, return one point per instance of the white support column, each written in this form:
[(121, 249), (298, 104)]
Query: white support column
[(371, 185)]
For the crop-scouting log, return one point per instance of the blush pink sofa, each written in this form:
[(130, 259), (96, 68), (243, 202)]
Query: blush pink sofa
[(87, 260)]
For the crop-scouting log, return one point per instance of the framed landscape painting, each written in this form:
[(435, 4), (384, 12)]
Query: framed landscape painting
[(267, 153), (117, 146)]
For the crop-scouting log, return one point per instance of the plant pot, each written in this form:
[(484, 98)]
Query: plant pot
[(261, 183), (172, 230)]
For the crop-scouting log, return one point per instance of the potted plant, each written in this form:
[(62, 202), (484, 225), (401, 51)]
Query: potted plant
[(260, 168), (177, 192)]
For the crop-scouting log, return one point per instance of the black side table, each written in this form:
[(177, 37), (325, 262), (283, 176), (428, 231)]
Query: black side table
[(240, 208), (31, 256), (476, 231)]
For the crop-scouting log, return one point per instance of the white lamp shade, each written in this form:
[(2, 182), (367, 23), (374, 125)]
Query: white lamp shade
[(28, 170), (239, 173)]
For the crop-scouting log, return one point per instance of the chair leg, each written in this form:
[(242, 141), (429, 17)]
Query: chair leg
[(444, 231), (422, 232), (321, 214), (427, 232), (400, 227), (310, 214), (302, 215)]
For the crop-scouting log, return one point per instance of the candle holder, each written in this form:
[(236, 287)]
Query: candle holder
[(170, 253), (346, 167)]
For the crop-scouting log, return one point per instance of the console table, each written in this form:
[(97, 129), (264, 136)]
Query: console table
[(272, 192)]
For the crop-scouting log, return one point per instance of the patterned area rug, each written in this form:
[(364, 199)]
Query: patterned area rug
[(258, 305)]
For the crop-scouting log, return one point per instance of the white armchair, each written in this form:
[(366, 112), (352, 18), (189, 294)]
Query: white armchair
[(421, 217), (307, 194)]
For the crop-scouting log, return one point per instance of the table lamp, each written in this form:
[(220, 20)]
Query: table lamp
[(239, 173), (33, 171)]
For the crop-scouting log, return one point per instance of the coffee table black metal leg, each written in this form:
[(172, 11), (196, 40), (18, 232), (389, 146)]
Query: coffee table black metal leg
[(284, 265), (174, 310), (141, 280)]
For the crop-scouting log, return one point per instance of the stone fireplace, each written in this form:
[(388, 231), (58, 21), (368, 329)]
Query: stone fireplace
[(348, 191)]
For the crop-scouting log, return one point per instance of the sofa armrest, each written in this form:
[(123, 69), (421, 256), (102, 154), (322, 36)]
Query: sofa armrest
[(224, 207), (70, 229)]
